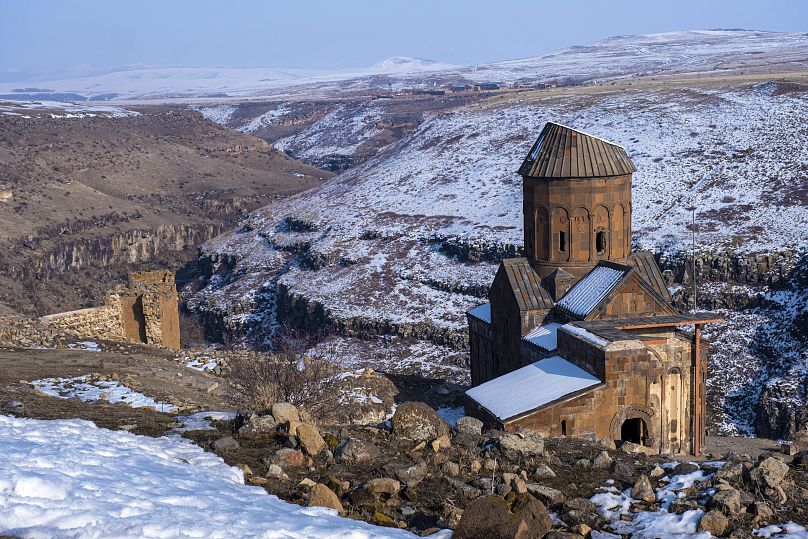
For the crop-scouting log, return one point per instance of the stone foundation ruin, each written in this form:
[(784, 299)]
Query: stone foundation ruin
[(146, 311)]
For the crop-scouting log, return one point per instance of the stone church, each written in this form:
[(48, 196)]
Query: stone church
[(579, 337)]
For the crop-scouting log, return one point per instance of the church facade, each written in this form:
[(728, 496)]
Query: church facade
[(579, 337)]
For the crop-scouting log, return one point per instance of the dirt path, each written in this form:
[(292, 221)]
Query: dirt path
[(150, 371)]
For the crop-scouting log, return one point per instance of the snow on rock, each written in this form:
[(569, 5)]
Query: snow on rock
[(71, 479), (653, 524), (515, 392), (789, 530), (89, 389)]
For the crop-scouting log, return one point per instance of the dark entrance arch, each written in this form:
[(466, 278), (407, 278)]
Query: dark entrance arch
[(634, 430)]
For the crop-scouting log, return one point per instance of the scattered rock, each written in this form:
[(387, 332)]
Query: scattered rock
[(322, 496), (283, 412), (225, 444), (288, 458), (546, 494), (418, 422), (632, 448), (544, 472), (727, 501), (469, 426), (276, 472), (656, 472), (521, 444), (643, 490), (13, 406), (383, 485), (731, 471), (413, 474), (769, 473), (306, 483), (763, 511), (602, 460), (800, 459), (310, 440), (493, 517), (356, 451), (714, 522), (380, 519), (451, 469), (441, 442), (583, 464), (258, 427), (684, 468)]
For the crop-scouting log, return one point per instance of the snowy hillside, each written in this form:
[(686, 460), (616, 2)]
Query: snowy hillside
[(697, 51), (408, 241)]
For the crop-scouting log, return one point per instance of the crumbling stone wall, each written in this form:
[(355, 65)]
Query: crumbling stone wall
[(146, 311), (102, 322)]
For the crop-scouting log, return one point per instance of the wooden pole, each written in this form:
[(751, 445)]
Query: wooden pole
[(697, 404)]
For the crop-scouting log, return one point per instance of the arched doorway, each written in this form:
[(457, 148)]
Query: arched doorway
[(634, 430)]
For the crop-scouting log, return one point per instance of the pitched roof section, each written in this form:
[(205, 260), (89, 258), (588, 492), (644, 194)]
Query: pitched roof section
[(646, 265), (563, 152), (526, 286), (532, 387), (592, 289)]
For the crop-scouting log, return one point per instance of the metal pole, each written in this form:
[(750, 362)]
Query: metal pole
[(695, 290)]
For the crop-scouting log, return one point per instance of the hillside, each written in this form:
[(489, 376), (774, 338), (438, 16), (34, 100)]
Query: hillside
[(88, 193), (395, 250)]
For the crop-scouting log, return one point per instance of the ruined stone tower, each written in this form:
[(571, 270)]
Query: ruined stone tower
[(577, 205)]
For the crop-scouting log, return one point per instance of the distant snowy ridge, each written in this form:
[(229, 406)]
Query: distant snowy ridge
[(695, 51)]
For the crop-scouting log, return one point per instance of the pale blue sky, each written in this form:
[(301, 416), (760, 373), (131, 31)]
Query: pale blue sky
[(46, 35)]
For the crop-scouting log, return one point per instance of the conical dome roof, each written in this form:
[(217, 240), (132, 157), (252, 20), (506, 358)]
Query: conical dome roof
[(563, 152)]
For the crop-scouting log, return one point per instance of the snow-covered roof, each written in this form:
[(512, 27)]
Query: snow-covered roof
[(531, 387), (590, 290), (585, 335), (482, 312), (544, 336)]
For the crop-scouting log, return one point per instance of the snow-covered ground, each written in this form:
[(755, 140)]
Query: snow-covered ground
[(60, 109), (90, 389), (71, 479)]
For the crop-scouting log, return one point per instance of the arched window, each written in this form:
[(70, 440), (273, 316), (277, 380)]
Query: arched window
[(562, 241), (600, 241)]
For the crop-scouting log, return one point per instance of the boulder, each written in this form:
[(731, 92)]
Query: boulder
[(727, 501), (731, 472), (492, 516), (643, 490), (322, 496), (383, 486), (656, 472), (543, 471), (602, 460), (684, 468), (714, 522), (622, 469), (769, 473), (354, 451), (469, 426), (258, 427), (310, 440), (546, 494), (580, 511), (288, 458), (467, 491), (441, 442), (414, 473), (763, 511), (276, 472), (223, 445), (13, 406), (452, 469), (283, 412), (521, 444), (416, 421), (800, 459)]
